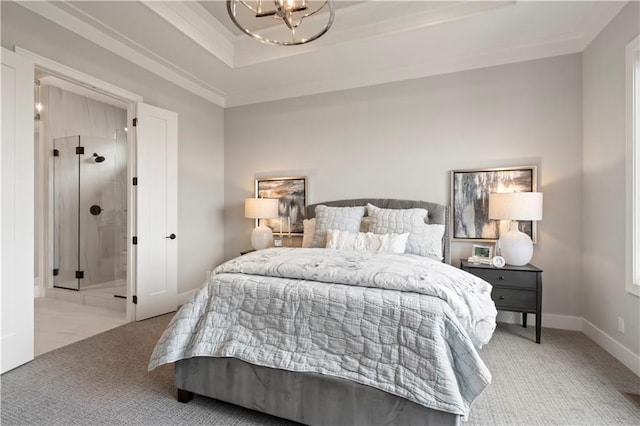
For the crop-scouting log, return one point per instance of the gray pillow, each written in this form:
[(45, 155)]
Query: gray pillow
[(424, 239), (338, 218)]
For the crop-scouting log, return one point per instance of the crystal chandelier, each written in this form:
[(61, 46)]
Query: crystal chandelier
[(253, 18)]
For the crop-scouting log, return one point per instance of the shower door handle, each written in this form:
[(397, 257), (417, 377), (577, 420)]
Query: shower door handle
[(172, 236)]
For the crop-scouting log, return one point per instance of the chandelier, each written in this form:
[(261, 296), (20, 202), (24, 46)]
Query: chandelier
[(254, 18)]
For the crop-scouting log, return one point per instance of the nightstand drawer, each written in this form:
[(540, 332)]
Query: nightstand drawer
[(506, 278), (512, 298)]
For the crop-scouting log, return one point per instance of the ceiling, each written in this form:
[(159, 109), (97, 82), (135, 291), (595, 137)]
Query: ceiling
[(195, 45)]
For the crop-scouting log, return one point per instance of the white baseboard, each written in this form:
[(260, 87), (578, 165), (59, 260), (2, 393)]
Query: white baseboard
[(609, 344), (572, 323), (563, 322), (185, 297)]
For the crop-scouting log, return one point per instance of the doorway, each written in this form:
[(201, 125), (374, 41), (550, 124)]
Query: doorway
[(152, 149), (81, 212)]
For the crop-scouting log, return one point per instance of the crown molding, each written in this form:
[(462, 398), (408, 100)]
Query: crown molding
[(190, 19), (352, 30), (446, 65), (177, 76), (365, 21), (592, 27)]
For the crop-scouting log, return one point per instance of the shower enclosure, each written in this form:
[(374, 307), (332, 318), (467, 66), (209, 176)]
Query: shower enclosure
[(89, 200)]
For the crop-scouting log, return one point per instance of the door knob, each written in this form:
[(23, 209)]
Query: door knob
[(172, 236)]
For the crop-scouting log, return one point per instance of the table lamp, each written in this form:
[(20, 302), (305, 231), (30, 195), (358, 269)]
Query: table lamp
[(516, 246), (261, 208)]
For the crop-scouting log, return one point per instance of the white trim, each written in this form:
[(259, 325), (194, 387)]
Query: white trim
[(363, 21), (191, 19), (74, 76), (607, 10), (573, 323), (180, 77), (562, 322), (632, 231), (78, 77), (609, 344), (186, 296), (481, 59)]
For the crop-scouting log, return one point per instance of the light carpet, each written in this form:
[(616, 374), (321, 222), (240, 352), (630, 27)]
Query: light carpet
[(103, 380)]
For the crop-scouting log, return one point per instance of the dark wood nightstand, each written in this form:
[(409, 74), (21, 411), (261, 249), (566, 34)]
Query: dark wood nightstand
[(515, 288)]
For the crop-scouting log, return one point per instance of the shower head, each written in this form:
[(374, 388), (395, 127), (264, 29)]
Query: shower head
[(98, 158)]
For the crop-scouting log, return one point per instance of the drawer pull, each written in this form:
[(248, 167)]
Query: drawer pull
[(501, 297), (501, 277)]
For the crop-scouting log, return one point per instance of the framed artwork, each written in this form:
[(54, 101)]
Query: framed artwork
[(291, 193), (470, 191)]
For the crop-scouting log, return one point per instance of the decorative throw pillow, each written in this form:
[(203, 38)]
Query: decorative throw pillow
[(338, 218), (397, 221), (367, 241), (308, 231), (364, 225)]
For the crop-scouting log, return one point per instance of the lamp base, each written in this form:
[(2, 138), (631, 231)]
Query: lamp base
[(516, 246), (261, 237)]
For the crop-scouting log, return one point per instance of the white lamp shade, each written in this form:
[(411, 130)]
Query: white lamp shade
[(516, 246), (515, 206), (261, 208)]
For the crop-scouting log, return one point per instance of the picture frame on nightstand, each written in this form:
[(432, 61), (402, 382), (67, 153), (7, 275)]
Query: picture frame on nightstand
[(481, 253)]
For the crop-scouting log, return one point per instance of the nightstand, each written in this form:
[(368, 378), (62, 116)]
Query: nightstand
[(515, 288)]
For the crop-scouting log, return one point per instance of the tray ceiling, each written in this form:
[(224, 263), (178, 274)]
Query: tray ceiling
[(195, 45)]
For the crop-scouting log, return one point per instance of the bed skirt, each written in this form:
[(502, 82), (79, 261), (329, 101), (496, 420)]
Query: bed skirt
[(308, 398)]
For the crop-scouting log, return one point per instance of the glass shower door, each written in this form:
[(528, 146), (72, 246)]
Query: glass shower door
[(66, 213), (89, 214)]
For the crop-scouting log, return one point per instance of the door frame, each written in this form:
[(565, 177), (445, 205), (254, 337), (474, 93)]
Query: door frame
[(131, 99)]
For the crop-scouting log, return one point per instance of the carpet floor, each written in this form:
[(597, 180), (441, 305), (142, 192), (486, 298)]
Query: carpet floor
[(103, 380)]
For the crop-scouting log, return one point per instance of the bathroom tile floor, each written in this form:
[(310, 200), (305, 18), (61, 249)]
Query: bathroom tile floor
[(59, 323)]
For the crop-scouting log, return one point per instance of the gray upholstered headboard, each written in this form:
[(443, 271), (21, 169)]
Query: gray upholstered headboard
[(438, 213)]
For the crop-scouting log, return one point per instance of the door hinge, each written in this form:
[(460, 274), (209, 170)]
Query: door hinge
[(135, 181), (56, 271), (135, 240), (79, 150), (79, 274), (135, 122), (56, 153), (135, 300)]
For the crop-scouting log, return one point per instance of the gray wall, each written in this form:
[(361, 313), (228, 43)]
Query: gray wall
[(201, 145), (402, 139), (603, 208)]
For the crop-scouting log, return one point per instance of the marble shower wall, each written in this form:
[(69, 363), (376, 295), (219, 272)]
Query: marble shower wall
[(78, 182)]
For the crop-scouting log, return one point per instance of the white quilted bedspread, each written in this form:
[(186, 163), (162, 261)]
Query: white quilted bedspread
[(401, 323)]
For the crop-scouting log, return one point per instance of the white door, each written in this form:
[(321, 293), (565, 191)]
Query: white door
[(156, 227), (16, 211)]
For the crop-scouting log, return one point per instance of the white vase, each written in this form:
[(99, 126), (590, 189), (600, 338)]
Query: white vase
[(261, 237), (516, 246)]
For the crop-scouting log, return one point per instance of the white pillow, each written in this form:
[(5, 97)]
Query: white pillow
[(366, 241), (338, 218), (433, 238), (424, 239), (308, 231)]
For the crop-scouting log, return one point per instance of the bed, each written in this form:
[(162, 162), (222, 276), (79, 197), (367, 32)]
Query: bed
[(328, 337)]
